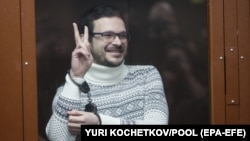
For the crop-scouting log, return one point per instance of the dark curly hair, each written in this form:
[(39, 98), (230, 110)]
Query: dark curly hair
[(97, 12)]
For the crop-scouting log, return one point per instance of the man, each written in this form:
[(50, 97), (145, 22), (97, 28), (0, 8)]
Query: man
[(100, 88)]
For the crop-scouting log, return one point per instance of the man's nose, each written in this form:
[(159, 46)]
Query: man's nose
[(117, 40)]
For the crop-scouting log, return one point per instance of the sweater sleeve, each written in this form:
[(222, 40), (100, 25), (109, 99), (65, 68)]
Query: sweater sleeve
[(66, 98), (156, 107)]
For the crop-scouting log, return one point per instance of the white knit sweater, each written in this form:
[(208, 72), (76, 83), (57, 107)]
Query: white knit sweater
[(123, 95)]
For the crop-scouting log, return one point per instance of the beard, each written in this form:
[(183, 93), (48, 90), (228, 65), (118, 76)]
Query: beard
[(111, 57)]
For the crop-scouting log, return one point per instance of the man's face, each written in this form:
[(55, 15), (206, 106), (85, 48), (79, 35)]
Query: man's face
[(106, 50)]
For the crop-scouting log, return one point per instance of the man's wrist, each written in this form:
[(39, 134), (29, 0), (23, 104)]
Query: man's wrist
[(99, 118), (84, 87), (71, 78)]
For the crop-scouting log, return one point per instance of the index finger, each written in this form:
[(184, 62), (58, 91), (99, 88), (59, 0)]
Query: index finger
[(76, 33), (74, 113)]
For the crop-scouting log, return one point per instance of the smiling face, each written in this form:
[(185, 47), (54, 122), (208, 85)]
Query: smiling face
[(110, 53)]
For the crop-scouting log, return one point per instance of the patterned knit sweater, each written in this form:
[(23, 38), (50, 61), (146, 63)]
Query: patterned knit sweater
[(123, 95)]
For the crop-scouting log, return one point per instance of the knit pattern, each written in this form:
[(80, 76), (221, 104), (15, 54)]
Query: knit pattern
[(137, 99)]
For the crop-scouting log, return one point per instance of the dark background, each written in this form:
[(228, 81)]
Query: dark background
[(181, 57)]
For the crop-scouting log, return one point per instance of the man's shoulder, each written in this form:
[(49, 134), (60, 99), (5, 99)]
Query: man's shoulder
[(143, 71)]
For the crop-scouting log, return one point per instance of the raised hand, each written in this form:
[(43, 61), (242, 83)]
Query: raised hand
[(81, 56)]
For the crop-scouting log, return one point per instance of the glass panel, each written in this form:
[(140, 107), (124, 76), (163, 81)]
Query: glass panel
[(172, 35)]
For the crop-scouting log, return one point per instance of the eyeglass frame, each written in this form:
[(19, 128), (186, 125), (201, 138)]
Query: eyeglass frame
[(123, 36)]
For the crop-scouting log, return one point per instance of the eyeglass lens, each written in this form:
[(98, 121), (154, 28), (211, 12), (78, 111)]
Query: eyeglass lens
[(110, 36)]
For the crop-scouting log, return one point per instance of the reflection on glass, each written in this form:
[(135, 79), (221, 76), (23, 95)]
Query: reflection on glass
[(170, 34)]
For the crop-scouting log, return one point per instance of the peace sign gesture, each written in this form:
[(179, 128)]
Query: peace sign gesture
[(81, 56)]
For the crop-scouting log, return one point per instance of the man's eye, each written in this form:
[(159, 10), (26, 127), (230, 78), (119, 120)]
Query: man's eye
[(123, 35)]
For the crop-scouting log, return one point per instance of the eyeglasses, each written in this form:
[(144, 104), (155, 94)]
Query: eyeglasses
[(110, 36)]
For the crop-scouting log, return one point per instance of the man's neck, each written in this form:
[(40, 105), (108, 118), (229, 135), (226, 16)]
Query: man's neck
[(104, 75)]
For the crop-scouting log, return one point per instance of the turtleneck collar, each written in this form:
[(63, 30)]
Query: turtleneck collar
[(104, 75)]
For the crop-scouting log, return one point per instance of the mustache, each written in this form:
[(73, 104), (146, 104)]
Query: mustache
[(114, 48)]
